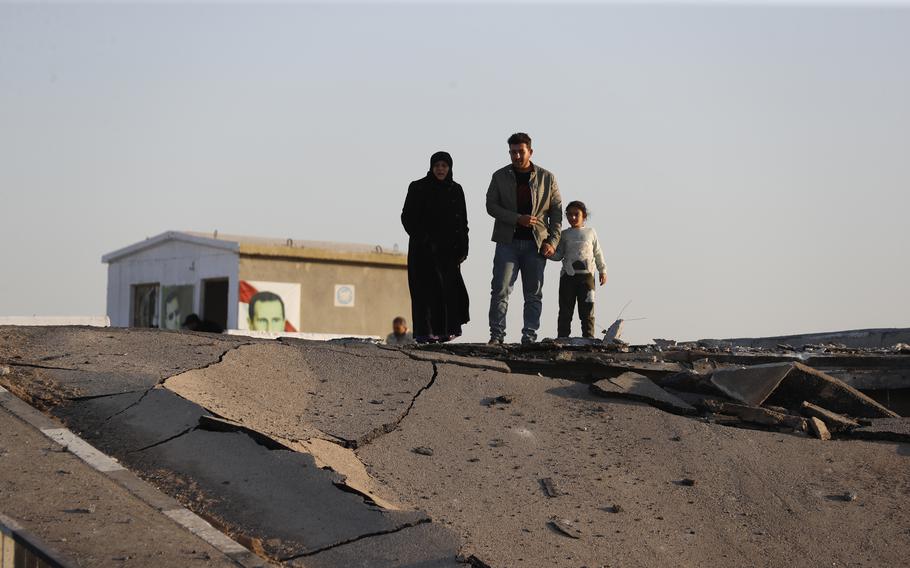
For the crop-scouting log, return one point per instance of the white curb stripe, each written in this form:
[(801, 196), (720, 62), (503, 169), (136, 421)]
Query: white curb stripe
[(201, 528), (82, 449)]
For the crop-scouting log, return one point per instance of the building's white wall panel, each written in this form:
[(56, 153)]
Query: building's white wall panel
[(170, 263)]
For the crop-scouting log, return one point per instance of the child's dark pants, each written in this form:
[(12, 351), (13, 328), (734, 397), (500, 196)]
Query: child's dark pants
[(576, 288)]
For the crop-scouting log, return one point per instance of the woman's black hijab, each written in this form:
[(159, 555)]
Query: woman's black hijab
[(440, 157)]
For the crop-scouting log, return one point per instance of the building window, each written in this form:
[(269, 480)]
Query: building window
[(145, 305)]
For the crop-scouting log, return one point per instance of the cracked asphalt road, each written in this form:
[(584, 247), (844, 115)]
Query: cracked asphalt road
[(313, 460)]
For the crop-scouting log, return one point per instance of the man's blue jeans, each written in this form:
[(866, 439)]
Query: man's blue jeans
[(510, 259)]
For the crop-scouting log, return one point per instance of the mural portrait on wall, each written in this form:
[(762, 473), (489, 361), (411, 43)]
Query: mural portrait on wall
[(269, 306), (176, 304)]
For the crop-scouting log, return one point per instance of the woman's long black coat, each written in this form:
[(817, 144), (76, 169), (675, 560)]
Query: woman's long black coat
[(436, 220)]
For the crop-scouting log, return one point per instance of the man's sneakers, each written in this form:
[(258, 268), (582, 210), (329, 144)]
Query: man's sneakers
[(495, 342), (528, 340)]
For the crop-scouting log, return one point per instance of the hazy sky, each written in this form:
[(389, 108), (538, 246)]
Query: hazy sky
[(747, 167)]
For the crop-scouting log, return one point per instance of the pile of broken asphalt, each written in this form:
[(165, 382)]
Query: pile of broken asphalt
[(348, 453)]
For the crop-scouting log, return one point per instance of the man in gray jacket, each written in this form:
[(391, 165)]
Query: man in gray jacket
[(524, 200)]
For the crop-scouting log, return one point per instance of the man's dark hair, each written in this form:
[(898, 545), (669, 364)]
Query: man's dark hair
[(265, 297), (400, 320), (519, 138), (578, 205)]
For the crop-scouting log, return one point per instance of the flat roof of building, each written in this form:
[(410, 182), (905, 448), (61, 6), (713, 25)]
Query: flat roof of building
[(246, 245)]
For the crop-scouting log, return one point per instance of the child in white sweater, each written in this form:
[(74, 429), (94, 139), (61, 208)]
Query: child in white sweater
[(580, 254)]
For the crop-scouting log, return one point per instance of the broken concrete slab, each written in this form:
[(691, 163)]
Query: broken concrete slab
[(638, 387), (819, 429), (345, 462), (750, 385), (426, 545), (789, 384), (758, 415), (804, 383), (834, 421), (335, 392), (278, 499), (885, 429)]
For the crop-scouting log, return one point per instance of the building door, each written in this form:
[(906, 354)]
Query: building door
[(215, 301), (145, 305)]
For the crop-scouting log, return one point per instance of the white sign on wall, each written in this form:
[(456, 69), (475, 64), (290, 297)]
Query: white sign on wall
[(344, 295)]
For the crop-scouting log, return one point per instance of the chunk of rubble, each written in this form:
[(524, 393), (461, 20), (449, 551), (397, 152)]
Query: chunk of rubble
[(803, 383), (819, 429), (639, 387), (613, 332), (789, 384), (548, 484), (565, 527), (834, 421), (751, 385), (758, 415)]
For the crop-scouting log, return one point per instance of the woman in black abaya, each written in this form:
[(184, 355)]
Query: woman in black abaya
[(435, 218)]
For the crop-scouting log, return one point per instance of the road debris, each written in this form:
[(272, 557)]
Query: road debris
[(549, 487), (834, 421), (819, 429), (634, 386), (565, 527)]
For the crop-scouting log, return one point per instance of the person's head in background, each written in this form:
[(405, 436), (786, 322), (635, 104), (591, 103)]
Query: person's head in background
[(266, 312), (192, 322), (399, 326)]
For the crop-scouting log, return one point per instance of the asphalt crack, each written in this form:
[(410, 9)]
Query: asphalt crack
[(358, 538), (392, 426), (129, 406), (207, 365), (161, 382), (98, 396), (166, 440)]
